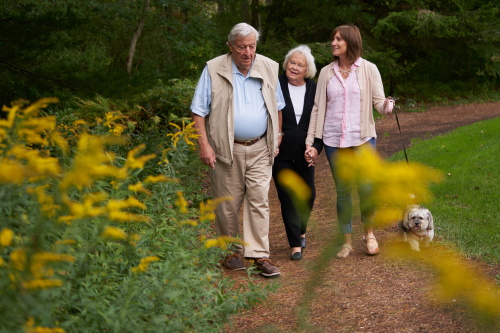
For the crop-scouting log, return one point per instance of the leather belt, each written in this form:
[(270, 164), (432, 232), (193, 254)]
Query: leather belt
[(248, 142)]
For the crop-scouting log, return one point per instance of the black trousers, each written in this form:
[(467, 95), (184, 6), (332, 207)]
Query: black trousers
[(295, 219)]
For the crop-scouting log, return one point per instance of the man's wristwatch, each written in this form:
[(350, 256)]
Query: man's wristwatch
[(281, 134)]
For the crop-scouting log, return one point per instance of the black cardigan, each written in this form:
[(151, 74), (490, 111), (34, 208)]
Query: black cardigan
[(293, 144)]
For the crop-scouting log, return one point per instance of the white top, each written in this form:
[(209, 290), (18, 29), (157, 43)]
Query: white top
[(297, 95)]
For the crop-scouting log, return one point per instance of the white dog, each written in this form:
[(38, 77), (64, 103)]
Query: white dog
[(417, 226)]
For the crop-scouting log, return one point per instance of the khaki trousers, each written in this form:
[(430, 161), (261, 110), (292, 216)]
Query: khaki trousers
[(247, 182)]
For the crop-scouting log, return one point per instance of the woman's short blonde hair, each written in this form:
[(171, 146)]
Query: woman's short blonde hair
[(306, 52)]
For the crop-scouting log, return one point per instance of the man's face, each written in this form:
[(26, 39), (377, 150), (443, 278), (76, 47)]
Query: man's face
[(243, 52)]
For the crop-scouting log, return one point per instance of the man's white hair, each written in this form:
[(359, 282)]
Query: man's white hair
[(241, 30)]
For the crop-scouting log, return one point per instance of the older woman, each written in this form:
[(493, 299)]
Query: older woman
[(298, 91), (342, 120)]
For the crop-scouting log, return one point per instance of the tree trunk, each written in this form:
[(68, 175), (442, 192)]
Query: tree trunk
[(255, 14), (136, 36)]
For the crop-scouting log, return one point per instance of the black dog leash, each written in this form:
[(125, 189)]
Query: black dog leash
[(401, 136)]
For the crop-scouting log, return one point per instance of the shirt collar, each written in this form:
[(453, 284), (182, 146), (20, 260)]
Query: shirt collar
[(357, 63), (237, 71)]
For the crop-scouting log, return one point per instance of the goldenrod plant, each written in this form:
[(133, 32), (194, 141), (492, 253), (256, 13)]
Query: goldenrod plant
[(94, 240)]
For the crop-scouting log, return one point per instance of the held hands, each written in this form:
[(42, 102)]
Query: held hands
[(389, 104), (311, 154)]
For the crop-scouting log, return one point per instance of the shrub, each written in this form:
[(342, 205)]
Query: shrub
[(85, 246)]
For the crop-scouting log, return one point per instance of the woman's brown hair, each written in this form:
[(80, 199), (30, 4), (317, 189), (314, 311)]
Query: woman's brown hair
[(352, 36)]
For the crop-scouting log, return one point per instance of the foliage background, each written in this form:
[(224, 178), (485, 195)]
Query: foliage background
[(426, 50)]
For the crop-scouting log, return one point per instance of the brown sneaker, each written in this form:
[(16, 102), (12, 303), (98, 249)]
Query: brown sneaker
[(233, 262), (266, 267)]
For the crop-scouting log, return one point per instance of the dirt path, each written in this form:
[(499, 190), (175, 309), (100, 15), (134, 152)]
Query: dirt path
[(360, 293)]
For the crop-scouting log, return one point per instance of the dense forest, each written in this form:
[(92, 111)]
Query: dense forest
[(121, 49)]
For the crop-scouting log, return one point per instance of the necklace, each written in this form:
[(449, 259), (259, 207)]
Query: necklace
[(345, 72)]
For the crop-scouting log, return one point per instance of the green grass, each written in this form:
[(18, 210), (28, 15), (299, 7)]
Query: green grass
[(466, 204)]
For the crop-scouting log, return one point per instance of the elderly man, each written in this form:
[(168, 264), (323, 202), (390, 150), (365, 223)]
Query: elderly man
[(237, 112)]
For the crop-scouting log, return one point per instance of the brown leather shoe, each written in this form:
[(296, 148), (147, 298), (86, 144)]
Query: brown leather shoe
[(233, 262), (266, 267)]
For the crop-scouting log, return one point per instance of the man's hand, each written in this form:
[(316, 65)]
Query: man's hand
[(207, 154)]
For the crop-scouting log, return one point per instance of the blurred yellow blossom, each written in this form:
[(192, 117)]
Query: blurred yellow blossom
[(134, 162), (223, 242), (138, 187), (114, 233), (291, 180), (160, 178), (86, 208), (207, 208), (91, 162), (456, 279), (66, 242), (11, 171), (18, 259), (30, 327), (181, 203), (48, 207), (189, 222), (144, 264), (42, 283), (114, 209), (6, 236), (393, 186)]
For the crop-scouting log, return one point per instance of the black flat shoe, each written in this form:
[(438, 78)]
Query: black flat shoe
[(303, 242), (296, 256)]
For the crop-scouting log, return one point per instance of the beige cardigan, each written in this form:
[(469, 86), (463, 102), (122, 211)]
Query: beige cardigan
[(371, 92)]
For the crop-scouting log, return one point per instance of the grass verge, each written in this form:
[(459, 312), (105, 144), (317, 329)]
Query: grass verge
[(465, 206)]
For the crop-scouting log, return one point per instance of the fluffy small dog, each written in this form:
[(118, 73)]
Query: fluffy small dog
[(417, 227)]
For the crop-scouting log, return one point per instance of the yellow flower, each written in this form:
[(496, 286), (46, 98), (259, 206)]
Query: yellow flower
[(207, 209), (144, 264), (223, 242), (11, 172), (46, 202), (30, 327), (139, 188), (181, 203), (134, 162), (91, 162), (40, 104), (41, 283), (295, 184), (18, 259), (84, 209), (189, 222), (6, 236), (114, 233), (393, 186), (159, 178), (187, 133), (79, 122), (66, 242)]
